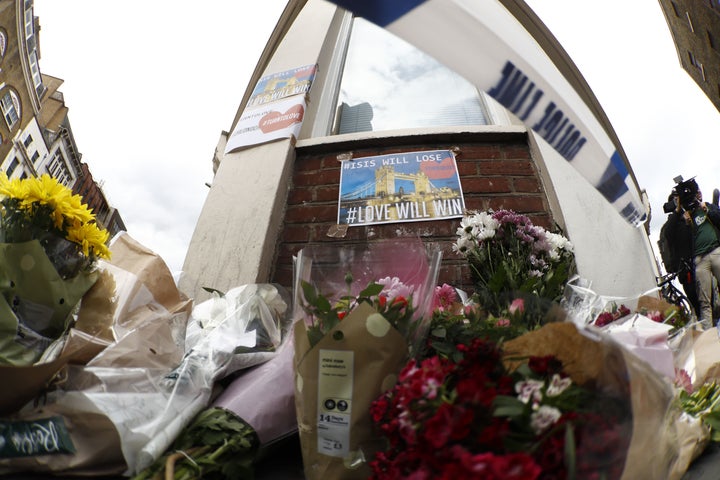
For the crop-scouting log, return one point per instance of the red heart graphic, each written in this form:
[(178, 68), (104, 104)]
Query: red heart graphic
[(437, 170), (277, 121)]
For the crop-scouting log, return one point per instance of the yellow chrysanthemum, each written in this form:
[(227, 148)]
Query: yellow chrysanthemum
[(14, 188), (91, 238), (45, 196), (46, 190)]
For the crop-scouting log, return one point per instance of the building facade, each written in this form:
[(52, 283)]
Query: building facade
[(35, 133), (270, 199), (695, 29)]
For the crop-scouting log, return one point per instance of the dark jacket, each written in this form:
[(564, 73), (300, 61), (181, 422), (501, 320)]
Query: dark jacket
[(676, 242)]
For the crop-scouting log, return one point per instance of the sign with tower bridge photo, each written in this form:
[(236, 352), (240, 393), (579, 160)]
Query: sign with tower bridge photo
[(400, 187)]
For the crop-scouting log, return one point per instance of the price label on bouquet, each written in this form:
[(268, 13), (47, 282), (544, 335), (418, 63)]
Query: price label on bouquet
[(335, 388)]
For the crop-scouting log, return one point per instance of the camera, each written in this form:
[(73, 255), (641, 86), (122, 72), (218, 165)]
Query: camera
[(669, 206), (687, 194)]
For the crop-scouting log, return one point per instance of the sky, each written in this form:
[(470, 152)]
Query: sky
[(151, 85)]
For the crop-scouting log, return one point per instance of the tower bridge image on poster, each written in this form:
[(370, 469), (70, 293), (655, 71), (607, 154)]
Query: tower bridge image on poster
[(401, 187)]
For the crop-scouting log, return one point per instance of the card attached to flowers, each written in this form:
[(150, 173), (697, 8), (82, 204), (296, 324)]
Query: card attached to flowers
[(360, 313)]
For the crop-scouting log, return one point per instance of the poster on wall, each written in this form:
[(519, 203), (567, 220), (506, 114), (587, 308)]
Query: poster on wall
[(277, 86), (280, 119), (400, 187), (276, 108)]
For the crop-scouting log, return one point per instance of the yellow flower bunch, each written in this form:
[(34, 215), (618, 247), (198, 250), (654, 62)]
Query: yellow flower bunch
[(34, 206)]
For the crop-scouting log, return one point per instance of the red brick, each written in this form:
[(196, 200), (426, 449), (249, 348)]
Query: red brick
[(516, 153), (520, 204), (526, 185), (485, 185), (468, 152), (299, 195), (308, 164), (310, 213), (467, 168), (507, 167), (327, 193), (477, 203), (296, 233), (322, 177)]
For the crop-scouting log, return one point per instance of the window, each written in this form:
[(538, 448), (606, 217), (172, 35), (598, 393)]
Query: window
[(36, 76), (676, 9), (34, 157), (28, 141), (10, 106), (711, 41), (58, 169), (697, 64), (11, 168), (400, 88), (3, 44)]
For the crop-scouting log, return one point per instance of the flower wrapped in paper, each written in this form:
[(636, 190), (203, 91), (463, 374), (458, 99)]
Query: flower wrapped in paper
[(49, 246), (130, 401), (556, 402), (360, 313)]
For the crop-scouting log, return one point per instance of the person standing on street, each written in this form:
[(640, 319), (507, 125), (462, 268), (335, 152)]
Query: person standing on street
[(703, 219), (676, 249)]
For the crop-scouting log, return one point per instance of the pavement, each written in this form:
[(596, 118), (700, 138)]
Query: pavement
[(706, 466), (284, 462)]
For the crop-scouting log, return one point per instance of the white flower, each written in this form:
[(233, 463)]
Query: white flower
[(462, 245), (558, 385), (558, 243), (544, 417), (529, 389)]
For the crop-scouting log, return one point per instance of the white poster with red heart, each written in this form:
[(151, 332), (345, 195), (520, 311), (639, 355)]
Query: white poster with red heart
[(279, 119)]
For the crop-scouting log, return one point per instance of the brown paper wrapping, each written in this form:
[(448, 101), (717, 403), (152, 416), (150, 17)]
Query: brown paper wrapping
[(706, 353), (654, 303), (661, 446), (377, 362), (151, 345), (99, 307)]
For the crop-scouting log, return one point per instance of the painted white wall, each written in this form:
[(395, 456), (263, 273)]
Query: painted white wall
[(235, 236), (616, 257)]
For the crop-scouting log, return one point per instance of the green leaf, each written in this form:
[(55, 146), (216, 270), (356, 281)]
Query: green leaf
[(309, 292), (213, 290), (506, 406), (371, 290), (323, 304), (314, 335)]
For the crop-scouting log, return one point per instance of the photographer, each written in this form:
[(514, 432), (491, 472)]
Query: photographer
[(675, 245), (703, 219)]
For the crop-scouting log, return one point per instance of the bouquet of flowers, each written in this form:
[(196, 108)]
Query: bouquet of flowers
[(49, 244), (360, 313), (477, 418), (456, 321), (508, 255)]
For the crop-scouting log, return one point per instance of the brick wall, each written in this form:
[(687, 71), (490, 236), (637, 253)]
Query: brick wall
[(495, 174)]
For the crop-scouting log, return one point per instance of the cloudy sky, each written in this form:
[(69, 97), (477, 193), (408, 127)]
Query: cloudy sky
[(151, 84)]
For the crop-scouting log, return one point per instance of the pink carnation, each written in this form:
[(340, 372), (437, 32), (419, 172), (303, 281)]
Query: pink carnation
[(517, 305), (443, 297)]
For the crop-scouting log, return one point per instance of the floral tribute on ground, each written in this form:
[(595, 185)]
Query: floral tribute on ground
[(507, 386), (361, 313), (49, 247)]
